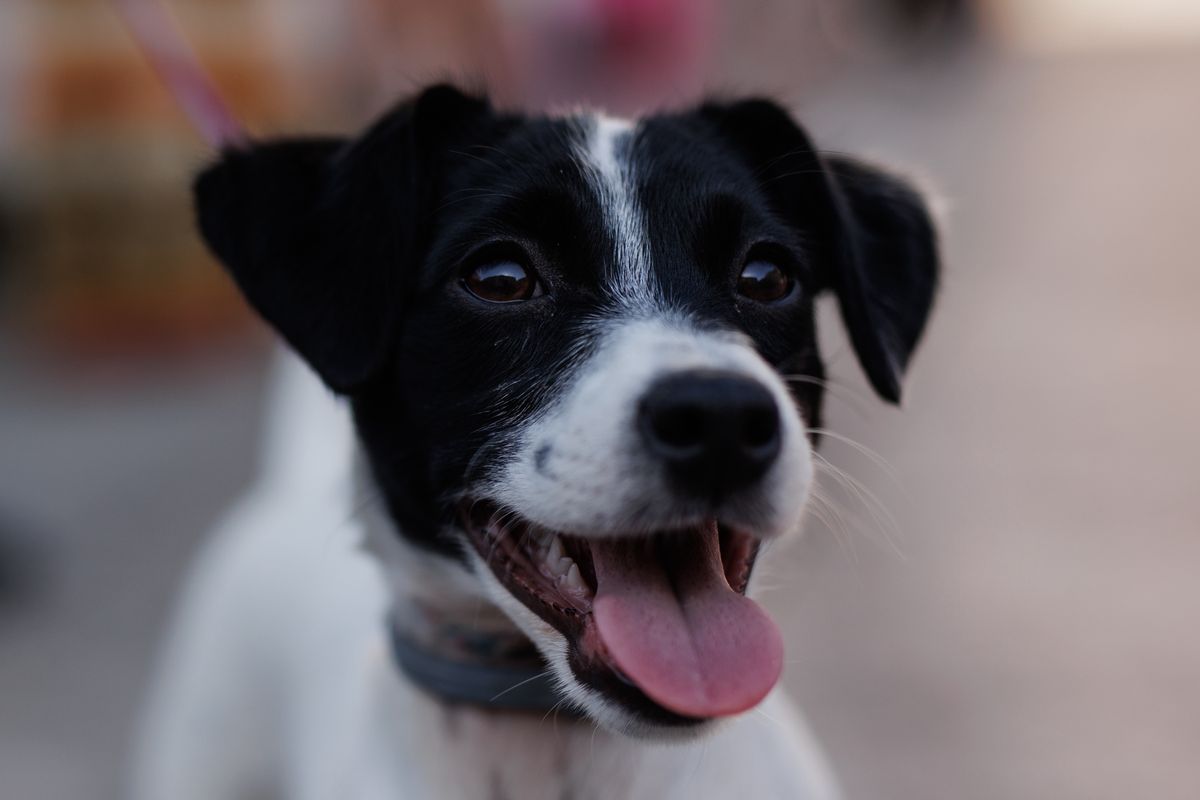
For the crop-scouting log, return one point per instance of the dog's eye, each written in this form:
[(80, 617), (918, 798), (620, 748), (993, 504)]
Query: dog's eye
[(763, 281), (502, 282)]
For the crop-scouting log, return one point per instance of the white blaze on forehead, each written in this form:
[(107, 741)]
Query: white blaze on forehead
[(605, 157)]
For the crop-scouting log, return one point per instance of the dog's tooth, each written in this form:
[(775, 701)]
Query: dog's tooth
[(573, 580), (554, 553)]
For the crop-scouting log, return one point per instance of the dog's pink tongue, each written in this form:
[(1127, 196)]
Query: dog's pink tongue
[(689, 642)]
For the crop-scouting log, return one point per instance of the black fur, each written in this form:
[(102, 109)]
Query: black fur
[(354, 251), (315, 231), (876, 246)]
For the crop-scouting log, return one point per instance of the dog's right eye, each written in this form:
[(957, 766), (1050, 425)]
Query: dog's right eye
[(502, 282)]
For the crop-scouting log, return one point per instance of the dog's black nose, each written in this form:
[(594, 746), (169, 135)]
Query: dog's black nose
[(715, 431)]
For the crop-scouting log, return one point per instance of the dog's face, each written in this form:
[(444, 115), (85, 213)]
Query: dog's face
[(582, 359)]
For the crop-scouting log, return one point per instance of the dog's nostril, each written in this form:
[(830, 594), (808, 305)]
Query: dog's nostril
[(714, 431), (760, 426), (679, 426)]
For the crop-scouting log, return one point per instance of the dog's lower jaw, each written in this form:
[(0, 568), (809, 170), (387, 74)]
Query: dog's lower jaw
[(434, 599), (686, 584)]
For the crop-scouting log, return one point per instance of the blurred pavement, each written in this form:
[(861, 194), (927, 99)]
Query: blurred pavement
[(1028, 629), (119, 476)]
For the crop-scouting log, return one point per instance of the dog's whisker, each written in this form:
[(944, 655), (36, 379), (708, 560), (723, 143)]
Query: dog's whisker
[(700, 753), (764, 170), (828, 512), (758, 710), (849, 519), (793, 174), (873, 455), (501, 520), (473, 462), (467, 154), (883, 520), (519, 684), (510, 161), (554, 711), (464, 195), (853, 399)]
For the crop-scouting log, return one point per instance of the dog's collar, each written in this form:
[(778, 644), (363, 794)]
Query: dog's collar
[(489, 671)]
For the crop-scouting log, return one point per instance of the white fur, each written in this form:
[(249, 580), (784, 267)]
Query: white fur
[(277, 676), (604, 156), (596, 477)]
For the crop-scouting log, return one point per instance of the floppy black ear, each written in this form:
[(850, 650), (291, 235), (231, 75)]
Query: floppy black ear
[(873, 232), (319, 233), (886, 284)]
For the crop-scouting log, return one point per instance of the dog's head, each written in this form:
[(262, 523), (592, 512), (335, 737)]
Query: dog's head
[(581, 357)]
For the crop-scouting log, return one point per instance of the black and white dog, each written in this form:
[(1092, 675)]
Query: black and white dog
[(578, 358)]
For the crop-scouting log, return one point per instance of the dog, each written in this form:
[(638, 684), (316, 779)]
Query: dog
[(567, 390)]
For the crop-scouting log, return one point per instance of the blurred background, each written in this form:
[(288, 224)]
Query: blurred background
[(1002, 599)]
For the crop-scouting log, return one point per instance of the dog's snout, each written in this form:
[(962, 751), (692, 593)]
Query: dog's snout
[(714, 431)]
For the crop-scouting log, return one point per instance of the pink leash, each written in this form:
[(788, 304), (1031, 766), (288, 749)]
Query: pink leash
[(160, 39)]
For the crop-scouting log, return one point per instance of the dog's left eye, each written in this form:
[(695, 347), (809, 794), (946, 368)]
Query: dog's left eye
[(763, 281), (502, 282)]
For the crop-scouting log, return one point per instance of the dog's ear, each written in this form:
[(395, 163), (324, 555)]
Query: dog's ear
[(889, 271), (321, 234), (876, 241)]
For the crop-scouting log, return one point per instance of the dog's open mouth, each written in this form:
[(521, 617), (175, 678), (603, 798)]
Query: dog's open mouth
[(662, 617)]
